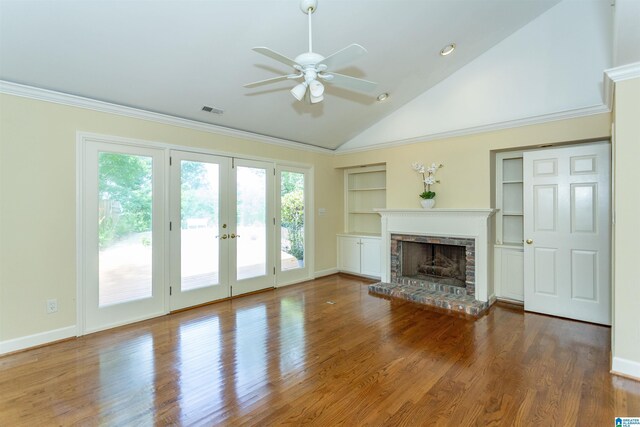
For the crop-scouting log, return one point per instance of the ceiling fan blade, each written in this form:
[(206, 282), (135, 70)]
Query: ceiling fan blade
[(348, 82), (344, 56), (275, 55), (272, 80)]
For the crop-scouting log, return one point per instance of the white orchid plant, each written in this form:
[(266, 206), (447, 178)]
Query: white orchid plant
[(428, 178)]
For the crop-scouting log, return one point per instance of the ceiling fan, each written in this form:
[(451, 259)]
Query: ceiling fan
[(313, 67)]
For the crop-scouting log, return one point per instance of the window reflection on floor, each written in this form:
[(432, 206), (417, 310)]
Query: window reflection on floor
[(131, 362), (200, 364), (251, 339), (292, 336)]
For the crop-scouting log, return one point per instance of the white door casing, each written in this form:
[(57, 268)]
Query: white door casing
[(567, 232)]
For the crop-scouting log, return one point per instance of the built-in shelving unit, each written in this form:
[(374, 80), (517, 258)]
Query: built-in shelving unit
[(365, 190), (509, 220), (508, 250)]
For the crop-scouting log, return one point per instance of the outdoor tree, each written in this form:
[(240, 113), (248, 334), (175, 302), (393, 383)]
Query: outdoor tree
[(293, 220)]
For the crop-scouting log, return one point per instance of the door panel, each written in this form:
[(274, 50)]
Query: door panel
[(584, 275), (545, 201), (545, 271), (199, 229), (584, 209), (567, 232), (123, 221)]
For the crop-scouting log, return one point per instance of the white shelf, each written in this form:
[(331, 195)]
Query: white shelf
[(365, 190)]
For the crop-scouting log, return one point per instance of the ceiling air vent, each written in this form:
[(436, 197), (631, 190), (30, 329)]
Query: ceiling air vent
[(212, 110)]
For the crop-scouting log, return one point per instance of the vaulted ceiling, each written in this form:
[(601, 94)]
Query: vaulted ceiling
[(174, 57)]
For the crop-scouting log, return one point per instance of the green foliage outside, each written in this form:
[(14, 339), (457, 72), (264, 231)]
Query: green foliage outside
[(198, 198), (124, 181), (292, 215), (291, 181)]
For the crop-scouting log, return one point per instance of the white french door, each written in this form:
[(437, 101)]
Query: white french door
[(221, 227), (199, 207), (567, 232), (213, 218), (124, 234)]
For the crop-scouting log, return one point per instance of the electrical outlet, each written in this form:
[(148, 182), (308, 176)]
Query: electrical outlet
[(52, 306)]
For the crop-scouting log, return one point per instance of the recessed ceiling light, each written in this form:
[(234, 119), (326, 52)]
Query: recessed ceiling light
[(448, 49), (382, 97)]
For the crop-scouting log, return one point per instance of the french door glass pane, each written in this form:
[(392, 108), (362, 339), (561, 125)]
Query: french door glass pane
[(251, 187), (291, 220), (124, 225), (200, 211)]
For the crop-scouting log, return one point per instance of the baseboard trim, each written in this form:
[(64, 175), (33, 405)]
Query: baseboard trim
[(35, 340), (323, 273), (625, 368)]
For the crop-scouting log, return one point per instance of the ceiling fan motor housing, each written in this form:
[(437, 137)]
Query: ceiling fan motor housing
[(309, 59)]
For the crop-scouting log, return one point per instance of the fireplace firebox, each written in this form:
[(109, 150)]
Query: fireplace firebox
[(432, 259)]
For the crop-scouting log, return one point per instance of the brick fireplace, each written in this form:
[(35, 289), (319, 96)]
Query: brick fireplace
[(437, 257), (431, 259)]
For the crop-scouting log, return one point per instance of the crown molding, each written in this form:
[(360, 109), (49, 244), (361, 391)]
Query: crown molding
[(623, 72), (562, 115), (32, 92)]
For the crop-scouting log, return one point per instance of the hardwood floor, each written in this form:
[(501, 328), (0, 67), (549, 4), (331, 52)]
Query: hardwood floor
[(323, 353)]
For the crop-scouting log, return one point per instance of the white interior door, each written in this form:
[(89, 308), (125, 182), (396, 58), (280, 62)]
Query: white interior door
[(252, 225), (567, 232), (123, 196), (199, 228)]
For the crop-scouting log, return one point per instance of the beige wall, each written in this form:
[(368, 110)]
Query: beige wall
[(38, 201), (626, 298), (466, 176)]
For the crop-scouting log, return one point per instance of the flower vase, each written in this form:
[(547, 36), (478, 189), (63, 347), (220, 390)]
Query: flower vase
[(427, 203)]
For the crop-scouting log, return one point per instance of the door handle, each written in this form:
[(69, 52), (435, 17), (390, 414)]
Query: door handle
[(224, 236), (234, 235), (529, 241)]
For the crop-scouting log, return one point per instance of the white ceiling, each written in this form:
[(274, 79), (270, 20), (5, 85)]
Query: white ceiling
[(544, 71), (173, 57)]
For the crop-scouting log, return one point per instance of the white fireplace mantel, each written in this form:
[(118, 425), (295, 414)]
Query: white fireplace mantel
[(465, 223)]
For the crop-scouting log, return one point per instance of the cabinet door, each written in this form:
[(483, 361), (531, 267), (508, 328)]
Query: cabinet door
[(512, 274), (349, 254), (370, 256)]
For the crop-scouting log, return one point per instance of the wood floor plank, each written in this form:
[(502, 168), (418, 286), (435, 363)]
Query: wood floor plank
[(288, 357)]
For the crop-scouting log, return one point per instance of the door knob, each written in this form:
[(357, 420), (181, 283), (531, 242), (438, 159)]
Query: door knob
[(224, 236), (234, 235), (529, 241)]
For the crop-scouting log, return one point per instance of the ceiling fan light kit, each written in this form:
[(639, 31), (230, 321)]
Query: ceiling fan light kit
[(313, 67)]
